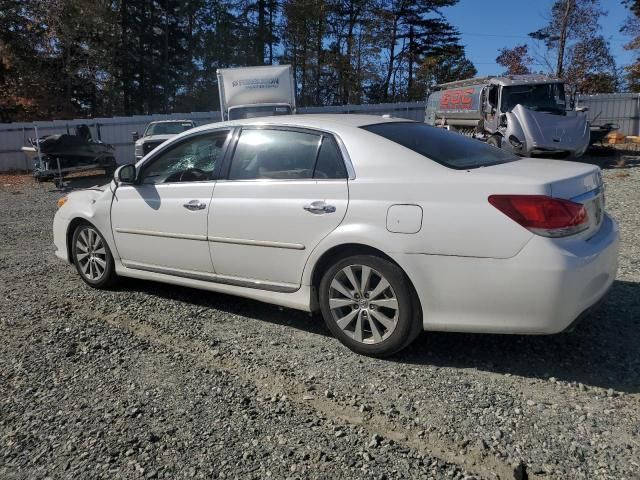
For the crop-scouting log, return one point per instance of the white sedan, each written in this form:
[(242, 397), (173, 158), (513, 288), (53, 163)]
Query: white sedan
[(387, 226)]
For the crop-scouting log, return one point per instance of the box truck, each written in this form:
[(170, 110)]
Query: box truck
[(249, 92)]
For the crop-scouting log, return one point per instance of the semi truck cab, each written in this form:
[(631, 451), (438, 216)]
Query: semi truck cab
[(526, 114)]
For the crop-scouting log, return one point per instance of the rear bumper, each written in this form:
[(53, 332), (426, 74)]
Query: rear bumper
[(592, 310), (541, 290)]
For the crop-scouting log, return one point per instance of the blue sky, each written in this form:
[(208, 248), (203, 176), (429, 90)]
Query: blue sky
[(488, 25)]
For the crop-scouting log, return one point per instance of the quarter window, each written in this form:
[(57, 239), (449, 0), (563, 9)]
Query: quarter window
[(191, 160), (329, 164), (283, 154)]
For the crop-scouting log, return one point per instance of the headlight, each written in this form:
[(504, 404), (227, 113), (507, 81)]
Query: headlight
[(515, 143), (62, 201), (138, 149)]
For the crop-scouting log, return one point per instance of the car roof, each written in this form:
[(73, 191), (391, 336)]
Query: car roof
[(319, 121)]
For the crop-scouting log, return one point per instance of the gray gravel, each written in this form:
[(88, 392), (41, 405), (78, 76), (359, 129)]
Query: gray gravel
[(156, 381)]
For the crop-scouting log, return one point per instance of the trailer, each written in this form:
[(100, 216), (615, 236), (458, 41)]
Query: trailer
[(525, 114), (250, 92), (54, 156)]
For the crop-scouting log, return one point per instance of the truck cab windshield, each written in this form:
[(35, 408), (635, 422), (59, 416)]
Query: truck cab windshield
[(167, 128), (548, 97), (258, 111)]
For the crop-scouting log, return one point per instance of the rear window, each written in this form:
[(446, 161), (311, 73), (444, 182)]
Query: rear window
[(450, 149)]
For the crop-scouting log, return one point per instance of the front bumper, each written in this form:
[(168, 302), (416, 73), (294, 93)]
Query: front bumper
[(576, 150), (541, 290), (60, 225)]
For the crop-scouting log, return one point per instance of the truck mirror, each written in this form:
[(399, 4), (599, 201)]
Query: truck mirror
[(135, 136)]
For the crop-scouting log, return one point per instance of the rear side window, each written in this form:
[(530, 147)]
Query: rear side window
[(282, 154), (447, 148)]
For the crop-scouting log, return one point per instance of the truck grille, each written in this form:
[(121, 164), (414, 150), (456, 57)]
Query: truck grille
[(148, 146)]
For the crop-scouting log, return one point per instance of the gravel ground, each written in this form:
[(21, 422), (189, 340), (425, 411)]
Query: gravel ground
[(156, 381)]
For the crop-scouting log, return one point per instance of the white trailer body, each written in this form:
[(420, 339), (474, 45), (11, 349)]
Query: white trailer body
[(249, 92)]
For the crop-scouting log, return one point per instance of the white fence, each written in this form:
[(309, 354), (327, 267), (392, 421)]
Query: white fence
[(620, 108), (117, 131)]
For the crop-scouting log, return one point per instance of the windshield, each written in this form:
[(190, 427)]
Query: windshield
[(548, 97), (167, 128), (258, 111), (447, 148)]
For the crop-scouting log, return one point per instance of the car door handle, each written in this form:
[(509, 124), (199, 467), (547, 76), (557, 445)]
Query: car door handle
[(319, 207), (195, 205)]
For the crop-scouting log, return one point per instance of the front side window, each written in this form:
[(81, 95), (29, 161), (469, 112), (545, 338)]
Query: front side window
[(190, 160), (282, 154), (446, 148)]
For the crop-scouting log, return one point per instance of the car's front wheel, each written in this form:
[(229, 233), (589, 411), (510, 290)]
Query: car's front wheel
[(92, 257), (366, 302)]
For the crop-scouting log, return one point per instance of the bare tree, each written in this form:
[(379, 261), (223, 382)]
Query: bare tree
[(583, 57), (569, 20)]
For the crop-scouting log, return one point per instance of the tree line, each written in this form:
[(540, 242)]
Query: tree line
[(81, 58), (70, 58)]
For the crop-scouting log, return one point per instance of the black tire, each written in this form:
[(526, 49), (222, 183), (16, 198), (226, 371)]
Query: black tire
[(495, 141), (100, 255), (374, 338)]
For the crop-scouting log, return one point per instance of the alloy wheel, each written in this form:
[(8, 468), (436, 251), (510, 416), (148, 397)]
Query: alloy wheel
[(363, 304), (91, 254)]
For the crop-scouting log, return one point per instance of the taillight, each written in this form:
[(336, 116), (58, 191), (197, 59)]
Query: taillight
[(547, 216)]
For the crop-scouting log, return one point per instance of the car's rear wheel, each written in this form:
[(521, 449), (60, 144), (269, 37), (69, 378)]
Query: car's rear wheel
[(367, 303), (92, 257)]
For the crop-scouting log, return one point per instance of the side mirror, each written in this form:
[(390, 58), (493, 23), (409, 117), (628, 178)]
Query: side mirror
[(125, 174), (135, 136), (582, 109)]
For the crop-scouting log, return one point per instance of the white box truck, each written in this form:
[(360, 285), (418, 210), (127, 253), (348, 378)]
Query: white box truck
[(249, 92)]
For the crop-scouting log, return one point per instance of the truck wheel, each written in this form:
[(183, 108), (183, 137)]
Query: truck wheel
[(495, 141)]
